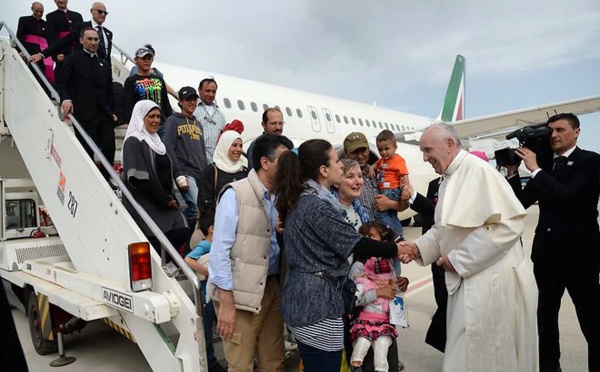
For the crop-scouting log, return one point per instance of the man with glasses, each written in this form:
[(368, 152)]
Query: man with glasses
[(210, 116), (105, 36), (272, 123), (146, 85)]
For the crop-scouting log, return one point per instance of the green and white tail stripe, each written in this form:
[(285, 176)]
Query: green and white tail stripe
[(454, 102)]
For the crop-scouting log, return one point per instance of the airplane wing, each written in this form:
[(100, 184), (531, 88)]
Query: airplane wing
[(503, 123)]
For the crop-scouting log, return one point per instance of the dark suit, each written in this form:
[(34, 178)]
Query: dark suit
[(29, 25), (87, 82), (60, 22), (436, 333), (73, 37), (566, 248)]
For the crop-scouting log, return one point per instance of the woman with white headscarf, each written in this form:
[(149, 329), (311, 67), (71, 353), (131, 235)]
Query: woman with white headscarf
[(148, 175), (228, 165)]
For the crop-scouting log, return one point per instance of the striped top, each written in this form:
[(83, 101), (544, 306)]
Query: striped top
[(212, 124), (327, 335)]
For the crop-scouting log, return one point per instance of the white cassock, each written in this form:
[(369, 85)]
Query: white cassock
[(492, 300)]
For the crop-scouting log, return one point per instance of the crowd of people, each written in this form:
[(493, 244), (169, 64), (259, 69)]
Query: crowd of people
[(285, 232)]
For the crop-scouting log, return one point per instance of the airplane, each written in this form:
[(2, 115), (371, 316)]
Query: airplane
[(310, 115)]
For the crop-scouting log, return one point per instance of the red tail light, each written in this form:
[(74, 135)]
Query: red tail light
[(140, 266)]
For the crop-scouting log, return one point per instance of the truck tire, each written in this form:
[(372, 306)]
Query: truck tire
[(42, 344)]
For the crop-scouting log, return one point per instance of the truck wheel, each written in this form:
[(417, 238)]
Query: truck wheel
[(43, 342)]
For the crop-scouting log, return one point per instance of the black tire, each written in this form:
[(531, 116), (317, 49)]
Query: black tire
[(42, 345)]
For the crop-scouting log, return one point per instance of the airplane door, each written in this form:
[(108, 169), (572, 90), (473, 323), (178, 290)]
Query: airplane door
[(314, 119), (329, 125)]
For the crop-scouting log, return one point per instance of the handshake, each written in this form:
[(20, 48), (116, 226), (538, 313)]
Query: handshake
[(407, 251)]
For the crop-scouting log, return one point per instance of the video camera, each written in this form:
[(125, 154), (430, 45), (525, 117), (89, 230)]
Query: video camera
[(534, 137)]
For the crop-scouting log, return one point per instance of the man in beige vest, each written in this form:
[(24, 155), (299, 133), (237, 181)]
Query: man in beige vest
[(244, 265)]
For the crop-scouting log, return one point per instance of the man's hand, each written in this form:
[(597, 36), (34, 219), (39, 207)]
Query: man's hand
[(388, 292), (528, 157), (372, 171), (226, 317), (35, 58), (114, 117), (445, 263), (60, 58), (67, 107), (383, 203)]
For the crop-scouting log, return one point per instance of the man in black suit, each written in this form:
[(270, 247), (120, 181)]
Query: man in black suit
[(32, 33), (85, 89), (105, 36), (60, 23), (566, 246), (425, 206)]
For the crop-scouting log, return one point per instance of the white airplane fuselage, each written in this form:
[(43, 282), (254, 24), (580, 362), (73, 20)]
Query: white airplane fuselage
[(308, 115)]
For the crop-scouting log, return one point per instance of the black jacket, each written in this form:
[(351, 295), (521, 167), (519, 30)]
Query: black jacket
[(73, 37), (87, 82), (58, 22), (568, 204)]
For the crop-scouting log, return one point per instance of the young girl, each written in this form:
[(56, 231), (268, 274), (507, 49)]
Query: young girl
[(376, 283)]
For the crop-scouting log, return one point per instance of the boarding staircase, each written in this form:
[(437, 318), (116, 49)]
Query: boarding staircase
[(92, 280)]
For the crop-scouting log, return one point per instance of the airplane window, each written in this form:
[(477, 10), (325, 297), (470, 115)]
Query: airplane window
[(398, 128), (241, 105), (253, 106), (299, 113), (328, 117), (353, 121), (277, 107), (345, 119), (380, 125), (337, 117), (402, 126), (227, 102), (386, 126), (366, 121), (288, 111), (265, 107), (314, 115), (360, 122)]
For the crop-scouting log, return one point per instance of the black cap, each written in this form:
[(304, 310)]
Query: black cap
[(187, 93)]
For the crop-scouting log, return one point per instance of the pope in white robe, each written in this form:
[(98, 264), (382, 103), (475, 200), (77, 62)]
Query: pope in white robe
[(492, 302)]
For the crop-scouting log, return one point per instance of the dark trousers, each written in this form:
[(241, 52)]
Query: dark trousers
[(317, 360), (436, 333), (102, 131), (210, 316), (581, 280)]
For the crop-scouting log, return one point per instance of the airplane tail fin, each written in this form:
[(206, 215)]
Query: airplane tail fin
[(454, 102)]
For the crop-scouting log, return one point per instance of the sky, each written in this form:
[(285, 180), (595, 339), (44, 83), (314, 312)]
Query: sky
[(395, 54)]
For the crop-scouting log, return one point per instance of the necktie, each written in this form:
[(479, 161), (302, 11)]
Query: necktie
[(102, 46), (559, 162)]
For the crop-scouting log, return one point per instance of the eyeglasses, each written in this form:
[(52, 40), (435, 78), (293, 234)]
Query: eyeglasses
[(101, 12)]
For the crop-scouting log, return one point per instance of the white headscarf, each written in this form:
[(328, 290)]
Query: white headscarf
[(137, 129), (221, 157)]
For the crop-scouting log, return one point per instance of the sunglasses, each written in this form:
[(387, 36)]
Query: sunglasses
[(101, 12)]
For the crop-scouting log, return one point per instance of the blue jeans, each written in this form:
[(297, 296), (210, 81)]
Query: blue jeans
[(317, 360), (390, 217), (191, 199), (210, 316)]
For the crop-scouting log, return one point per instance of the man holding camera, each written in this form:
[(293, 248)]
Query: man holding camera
[(566, 246)]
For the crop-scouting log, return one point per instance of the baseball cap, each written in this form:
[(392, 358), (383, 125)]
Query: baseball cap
[(187, 93), (144, 51), (355, 140)]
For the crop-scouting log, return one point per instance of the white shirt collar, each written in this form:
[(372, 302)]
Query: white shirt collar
[(566, 153)]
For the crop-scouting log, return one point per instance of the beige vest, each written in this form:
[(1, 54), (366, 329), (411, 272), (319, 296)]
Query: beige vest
[(250, 251)]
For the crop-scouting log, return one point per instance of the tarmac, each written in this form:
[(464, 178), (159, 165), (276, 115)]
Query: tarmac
[(98, 348)]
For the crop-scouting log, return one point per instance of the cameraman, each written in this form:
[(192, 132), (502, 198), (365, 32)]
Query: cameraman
[(566, 246)]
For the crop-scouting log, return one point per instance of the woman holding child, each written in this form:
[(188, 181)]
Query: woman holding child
[(318, 242)]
